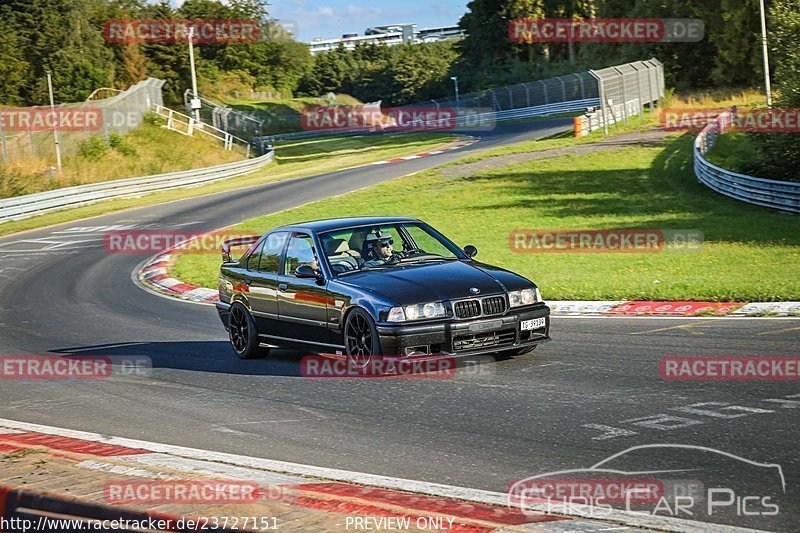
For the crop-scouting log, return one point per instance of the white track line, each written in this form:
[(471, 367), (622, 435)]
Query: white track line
[(662, 523)]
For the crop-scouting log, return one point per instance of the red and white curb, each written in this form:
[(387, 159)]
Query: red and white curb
[(154, 275), (468, 141), (674, 309), (339, 491)]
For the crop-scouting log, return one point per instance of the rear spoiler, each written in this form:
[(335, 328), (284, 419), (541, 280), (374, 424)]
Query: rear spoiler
[(239, 241)]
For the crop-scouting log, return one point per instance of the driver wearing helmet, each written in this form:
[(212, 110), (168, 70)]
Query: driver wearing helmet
[(378, 250)]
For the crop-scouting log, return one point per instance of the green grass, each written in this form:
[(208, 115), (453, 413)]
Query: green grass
[(293, 159), (146, 150), (750, 253), (732, 150)]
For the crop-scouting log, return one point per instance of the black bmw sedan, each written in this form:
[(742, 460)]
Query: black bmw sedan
[(370, 286)]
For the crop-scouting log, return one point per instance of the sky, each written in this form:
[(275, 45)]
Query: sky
[(330, 19)]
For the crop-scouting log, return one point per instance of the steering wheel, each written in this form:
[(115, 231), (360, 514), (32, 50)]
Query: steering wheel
[(413, 251)]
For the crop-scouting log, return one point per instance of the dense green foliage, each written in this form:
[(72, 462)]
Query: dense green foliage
[(396, 75), (66, 37), (779, 153)]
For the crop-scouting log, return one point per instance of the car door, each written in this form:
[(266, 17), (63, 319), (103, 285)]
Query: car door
[(262, 281), (302, 302)]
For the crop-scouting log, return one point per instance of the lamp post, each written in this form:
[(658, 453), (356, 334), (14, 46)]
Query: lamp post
[(55, 121), (195, 100), (455, 83), (767, 88)]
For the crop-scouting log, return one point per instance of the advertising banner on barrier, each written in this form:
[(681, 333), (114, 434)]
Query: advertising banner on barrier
[(674, 308)]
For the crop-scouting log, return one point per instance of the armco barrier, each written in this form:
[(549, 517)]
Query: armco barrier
[(462, 121), (780, 195), (21, 207), (24, 510)]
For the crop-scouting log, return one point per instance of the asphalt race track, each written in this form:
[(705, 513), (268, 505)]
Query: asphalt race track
[(594, 391)]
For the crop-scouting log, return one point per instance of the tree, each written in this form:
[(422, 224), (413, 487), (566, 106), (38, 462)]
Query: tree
[(780, 152), (13, 67)]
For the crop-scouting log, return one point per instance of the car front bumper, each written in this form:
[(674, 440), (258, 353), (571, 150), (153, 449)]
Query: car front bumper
[(466, 337)]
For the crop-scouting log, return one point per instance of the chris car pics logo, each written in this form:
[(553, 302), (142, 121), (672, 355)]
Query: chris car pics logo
[(677, 480)]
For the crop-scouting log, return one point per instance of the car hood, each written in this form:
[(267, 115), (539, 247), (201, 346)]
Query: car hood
[(410, 284)]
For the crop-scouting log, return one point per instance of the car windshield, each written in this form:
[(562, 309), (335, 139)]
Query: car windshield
[(384, 247)]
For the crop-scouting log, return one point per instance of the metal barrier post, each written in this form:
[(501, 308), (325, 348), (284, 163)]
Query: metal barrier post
[(3, 139), (639, 91), (601, 91), (624, 95), (30, 141), (583, 89)]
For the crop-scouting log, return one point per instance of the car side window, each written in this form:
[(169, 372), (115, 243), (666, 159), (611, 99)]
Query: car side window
[(254, 257), (299, 252), (271, 253)]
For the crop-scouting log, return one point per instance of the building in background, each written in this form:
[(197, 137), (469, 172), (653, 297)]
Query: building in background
[(390, 35)]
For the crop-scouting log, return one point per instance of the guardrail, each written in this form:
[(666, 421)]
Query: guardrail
[(21, 207), (463, 122), (780, 195)]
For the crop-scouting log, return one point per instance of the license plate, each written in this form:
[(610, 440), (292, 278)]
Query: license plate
[(482, 327), (535, 323)]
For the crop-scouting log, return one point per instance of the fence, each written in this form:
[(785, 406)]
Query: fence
[(119, 114), (642, 80), (240, 124), (624, 90), (21, 207), (187, 125), (612, 114), (780, 195)]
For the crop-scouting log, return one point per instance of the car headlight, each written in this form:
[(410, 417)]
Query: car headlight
[(417, 312), (524, 297)]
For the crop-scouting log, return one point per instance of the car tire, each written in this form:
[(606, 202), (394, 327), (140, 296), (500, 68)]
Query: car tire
[(361, 341), (243, 334)]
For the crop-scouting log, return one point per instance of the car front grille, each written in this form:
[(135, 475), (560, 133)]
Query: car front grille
[(494, 305), (487, 306), (467, 309), (464, 343)]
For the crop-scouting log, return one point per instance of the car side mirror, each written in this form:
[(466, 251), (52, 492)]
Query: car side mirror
[(305, 271), (470, 250)]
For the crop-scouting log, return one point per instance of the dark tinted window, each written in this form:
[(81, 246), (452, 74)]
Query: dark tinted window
[(253, 258), (271, 253)]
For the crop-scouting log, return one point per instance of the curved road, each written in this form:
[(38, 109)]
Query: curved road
[(595, 391)]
